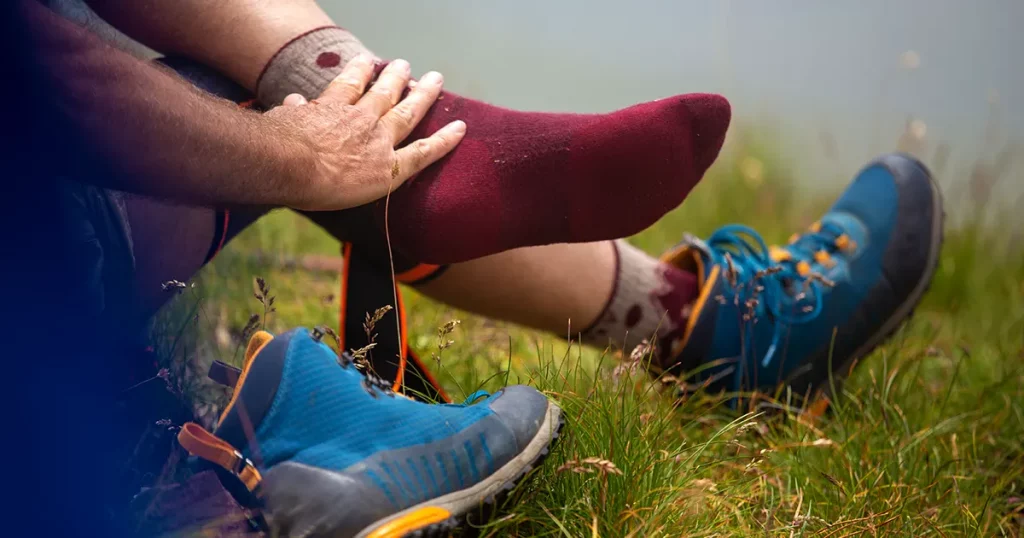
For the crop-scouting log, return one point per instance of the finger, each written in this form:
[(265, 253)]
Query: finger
[(413, 158), (404, 117), (387, 90), (294, 99), (350, 84)]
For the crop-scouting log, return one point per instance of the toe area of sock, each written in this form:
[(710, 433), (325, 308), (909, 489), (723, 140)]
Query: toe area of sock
[(708, 116)]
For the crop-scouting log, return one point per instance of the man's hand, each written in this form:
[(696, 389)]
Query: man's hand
[(352, 134)]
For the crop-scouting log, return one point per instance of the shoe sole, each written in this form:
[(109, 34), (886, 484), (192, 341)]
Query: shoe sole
[(905, 310), (443, 515)]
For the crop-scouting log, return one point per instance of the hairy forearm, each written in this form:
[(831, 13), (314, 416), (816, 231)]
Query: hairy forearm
[(161, 136), (237, 37)]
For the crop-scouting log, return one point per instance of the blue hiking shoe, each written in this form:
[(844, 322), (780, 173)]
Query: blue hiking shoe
[(333, 452), (798, 314)]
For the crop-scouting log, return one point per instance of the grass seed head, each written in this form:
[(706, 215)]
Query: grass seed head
[(173, 285)]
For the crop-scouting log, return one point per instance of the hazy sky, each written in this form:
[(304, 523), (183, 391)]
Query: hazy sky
[(801, 66)]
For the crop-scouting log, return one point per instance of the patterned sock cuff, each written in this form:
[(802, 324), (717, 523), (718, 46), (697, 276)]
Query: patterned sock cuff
[(648, 302), (629, 316), (306, 64)]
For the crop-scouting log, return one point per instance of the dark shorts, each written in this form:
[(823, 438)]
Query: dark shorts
[(100, 253)]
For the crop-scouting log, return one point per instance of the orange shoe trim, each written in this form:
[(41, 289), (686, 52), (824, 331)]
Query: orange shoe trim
[(410, 522), (698, 305), (256, 344), (203, 444)]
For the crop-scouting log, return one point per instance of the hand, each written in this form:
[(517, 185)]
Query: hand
[(351, 134)]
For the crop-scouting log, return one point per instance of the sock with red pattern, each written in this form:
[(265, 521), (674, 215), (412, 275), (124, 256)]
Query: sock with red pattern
[(520, 179), (650, 301)]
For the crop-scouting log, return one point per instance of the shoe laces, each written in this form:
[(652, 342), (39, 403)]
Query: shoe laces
[(773, 284), (472, 398)]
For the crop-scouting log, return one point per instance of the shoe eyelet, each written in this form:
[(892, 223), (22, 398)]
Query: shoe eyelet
[(823, 258), (845, 244)]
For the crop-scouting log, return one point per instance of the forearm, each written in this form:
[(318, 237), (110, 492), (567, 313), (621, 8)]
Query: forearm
[(237, 37), (162, 137)]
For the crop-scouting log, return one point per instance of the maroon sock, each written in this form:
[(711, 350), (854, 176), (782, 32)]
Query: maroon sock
[(520, 179)]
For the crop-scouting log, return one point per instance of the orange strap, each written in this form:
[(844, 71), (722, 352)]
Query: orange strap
[(203, 444), (403, 348), (419, 272)]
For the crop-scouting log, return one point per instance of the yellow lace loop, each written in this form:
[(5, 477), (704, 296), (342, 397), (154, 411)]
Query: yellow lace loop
[(823, 258), (844, 243), (779, 254)]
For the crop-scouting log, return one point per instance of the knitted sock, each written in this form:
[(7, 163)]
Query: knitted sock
[(650, 301), (520, 179)]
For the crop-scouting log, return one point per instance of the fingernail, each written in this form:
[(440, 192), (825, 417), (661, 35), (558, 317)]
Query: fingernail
[(399, 65), (432, 77), (294, 100), (364, 58), (457, 126)]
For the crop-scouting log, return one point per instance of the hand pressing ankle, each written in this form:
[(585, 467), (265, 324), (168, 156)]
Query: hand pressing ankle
[(521, 179)]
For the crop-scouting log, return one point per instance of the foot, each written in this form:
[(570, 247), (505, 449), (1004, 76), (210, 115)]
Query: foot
[(332, 452), (521, 179), (801, 313)]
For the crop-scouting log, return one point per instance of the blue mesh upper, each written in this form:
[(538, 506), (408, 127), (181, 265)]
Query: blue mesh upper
[(791, 316), (323, 416)]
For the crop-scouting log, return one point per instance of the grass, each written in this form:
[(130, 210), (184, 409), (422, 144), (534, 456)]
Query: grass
[(927, 437)]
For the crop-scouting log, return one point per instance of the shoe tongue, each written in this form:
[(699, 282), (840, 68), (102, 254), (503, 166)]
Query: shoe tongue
[(692, 255), (256, 387)]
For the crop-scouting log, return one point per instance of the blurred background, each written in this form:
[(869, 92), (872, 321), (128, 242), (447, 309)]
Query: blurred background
[(831, 83)]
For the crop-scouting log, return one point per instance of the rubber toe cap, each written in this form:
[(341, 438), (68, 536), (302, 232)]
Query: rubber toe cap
[(522, 409)]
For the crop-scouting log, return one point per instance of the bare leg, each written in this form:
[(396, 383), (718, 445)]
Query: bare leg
[(555, 288), (608, 292)]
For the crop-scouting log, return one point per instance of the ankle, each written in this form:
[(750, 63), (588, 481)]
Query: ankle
[(649, 303)]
